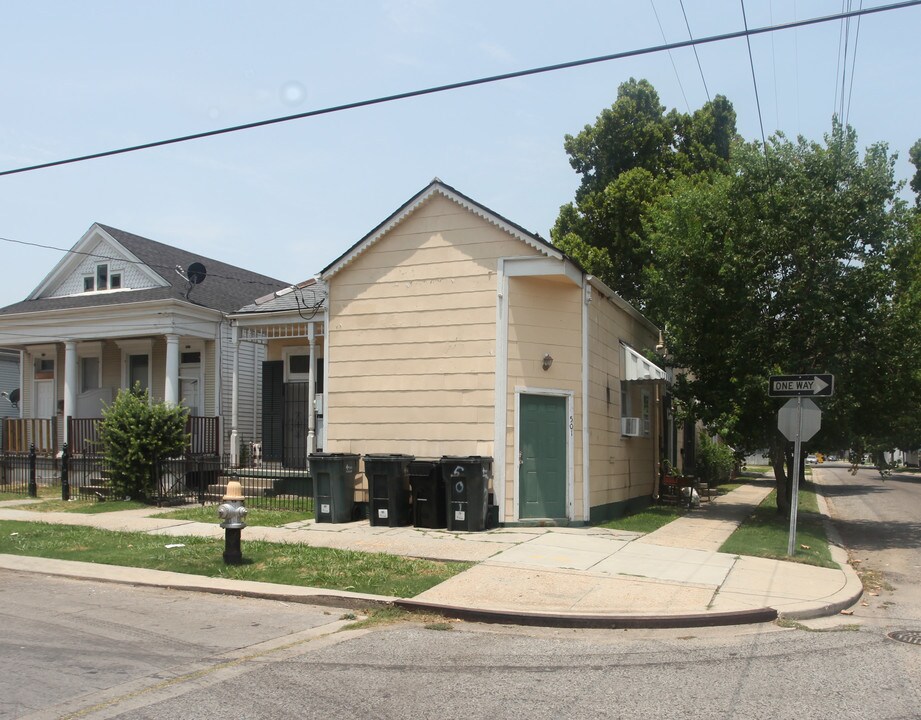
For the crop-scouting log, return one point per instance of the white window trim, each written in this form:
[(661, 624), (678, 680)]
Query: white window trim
[(646, 411), (194, 371), (89, 350), (286, 353), (143, 346)]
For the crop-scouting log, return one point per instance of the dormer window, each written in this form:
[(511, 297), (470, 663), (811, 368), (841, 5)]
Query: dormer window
[(102, 280)]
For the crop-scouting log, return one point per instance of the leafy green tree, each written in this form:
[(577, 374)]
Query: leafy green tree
[(136, 435), (801, 259), (627, 160), (914, 155)]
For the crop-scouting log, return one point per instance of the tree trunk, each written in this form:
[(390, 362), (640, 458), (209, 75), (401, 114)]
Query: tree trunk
[(781, 477)]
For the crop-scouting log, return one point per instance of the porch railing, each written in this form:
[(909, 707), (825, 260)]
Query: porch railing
[(204, 436), (20, 434)]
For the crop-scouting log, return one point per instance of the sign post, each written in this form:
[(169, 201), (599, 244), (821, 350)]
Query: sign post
[(799, 419)]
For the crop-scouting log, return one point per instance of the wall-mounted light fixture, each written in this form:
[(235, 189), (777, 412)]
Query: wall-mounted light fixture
[(548, 361)]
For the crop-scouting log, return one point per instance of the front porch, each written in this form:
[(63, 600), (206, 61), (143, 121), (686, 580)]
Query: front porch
[(290, 325)]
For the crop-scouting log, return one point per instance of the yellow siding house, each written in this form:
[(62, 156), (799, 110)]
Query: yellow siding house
[(450, 330)]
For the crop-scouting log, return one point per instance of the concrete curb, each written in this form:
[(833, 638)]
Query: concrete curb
[(76, 570), (841, 600), (596, 622), (853, 585), (142, 577)]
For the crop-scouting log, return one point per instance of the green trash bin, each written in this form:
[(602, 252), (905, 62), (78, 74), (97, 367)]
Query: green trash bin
[(466, 481), (388, 489), (333, 485)]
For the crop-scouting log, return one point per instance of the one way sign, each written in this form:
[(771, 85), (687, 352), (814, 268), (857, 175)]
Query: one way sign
[(813, 385)]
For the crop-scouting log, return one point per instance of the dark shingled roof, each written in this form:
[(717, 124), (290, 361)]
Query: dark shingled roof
[(226, 288), (307, 297)]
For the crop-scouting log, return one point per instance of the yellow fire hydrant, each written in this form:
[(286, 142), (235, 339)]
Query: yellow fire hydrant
[(233, 519)]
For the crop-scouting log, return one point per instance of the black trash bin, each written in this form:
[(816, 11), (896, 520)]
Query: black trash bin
[(388, 488), (429, 507), (333, 485), (466, 481)]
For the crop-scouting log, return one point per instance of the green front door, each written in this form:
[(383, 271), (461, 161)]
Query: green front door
[(542, 456)]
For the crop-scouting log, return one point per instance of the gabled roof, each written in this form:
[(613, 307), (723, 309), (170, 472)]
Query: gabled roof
[(437, 187), (226, 287)]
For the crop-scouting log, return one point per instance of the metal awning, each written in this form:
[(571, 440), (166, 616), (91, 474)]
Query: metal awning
[(637, 367)]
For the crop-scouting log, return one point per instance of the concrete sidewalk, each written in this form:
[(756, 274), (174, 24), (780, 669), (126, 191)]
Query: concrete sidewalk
[(572, 577)]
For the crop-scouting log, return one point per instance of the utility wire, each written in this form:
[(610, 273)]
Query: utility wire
[(670, 57), (850, 92), (691, 35), (751, 62), (847, 42), (469, 83), (834, 109), (167, 268)]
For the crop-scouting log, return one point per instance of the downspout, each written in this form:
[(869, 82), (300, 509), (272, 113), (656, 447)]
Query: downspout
[(312, 392), (586, 433), (500, 421), (257, 400), (219, 404), (327, 335), (657, 414), (235, 395)]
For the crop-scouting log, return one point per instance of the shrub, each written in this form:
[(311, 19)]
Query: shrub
[(136, 434), (714, 460)]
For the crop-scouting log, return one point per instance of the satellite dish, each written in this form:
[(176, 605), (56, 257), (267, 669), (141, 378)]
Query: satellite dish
[(197, 273)]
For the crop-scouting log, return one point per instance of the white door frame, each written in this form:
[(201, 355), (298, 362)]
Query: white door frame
[(570, 444)]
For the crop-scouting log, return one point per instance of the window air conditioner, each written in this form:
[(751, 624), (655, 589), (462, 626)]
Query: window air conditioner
[(630, 426)]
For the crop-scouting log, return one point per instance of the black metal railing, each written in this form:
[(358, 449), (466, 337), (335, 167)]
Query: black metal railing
[(190, 479), (22, 473)]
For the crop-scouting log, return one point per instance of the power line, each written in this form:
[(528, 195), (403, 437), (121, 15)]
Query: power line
[(671, 59), (691, 35), (847, 42), (850, 92), (751, 62), (747, 33), (167, 268)]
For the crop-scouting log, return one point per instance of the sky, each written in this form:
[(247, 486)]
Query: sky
[(287, 199)]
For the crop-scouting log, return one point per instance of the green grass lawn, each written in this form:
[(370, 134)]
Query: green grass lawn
[(254, 516), (766, 534), (655, 516), (374, 573), (81, 505), (648, 519)]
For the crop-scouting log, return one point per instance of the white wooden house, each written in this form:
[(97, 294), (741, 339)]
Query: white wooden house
[(120, 309)]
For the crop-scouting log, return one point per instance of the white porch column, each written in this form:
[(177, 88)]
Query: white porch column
[(312, 392), (171, 390), (70, 381), (234, 397)]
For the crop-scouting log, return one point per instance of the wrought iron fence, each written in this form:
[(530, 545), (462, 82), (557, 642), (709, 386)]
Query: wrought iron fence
[(270, 486), (22, 473), (191, 479)]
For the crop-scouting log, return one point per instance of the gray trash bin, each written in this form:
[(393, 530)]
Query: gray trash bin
[(333, 485)]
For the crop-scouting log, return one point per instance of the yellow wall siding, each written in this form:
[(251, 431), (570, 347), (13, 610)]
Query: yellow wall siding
[(621, 467), (544, 316), (412, 337)]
